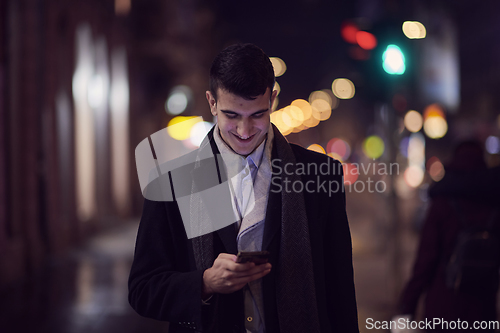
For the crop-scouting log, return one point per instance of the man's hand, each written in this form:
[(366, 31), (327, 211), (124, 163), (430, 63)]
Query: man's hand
[(227, 276)]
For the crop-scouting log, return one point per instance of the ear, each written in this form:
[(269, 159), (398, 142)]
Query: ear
[(211, 102), (273, 97)]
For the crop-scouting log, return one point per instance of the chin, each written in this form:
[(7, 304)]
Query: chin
[(243, 151)]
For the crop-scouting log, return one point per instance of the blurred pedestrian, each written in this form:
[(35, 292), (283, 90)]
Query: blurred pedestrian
[(464, 205)]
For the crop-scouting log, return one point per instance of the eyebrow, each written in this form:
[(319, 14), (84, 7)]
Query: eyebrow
[(256, 112)]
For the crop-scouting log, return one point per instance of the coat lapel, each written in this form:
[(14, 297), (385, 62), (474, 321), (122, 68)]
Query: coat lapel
[(228, 237), (273, 219), (273, 213)]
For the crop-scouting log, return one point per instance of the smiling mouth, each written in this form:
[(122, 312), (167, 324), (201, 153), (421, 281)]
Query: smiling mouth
[(244, 139)]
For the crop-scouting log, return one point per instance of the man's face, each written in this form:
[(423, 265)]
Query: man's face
[(243, 123)]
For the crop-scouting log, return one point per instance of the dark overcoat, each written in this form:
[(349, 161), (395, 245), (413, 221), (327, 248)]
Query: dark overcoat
[(165, 283)]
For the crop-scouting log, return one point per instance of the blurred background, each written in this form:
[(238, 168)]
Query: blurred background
[(388, 87)]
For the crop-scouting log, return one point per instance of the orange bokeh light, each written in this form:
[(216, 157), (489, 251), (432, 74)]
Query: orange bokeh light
[(435, 168), (431, 161), (434, 110), (317, 148), (351, 173)]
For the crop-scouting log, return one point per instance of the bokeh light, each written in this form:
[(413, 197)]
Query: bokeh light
[(321, 110), (285, 118), (339, 148), (296, 113), (343, 88), (278, 65), (277, 119), (435, 168), (277, 87), (348, 30), (393, 60), (492, 145), (176, 103), (336, 156), (366, 40), (373, 146), (435, 127), (299, 128), (433, 110), (301, 115), (414, 176), (325, 95), (178, 100), (416, 149), (317, 148), (319, 94), (290, 115), (413, 121), (179, 128), (304, 106), (311, 122), (414, 30), (95, 92), (199, 131), (351, 173)]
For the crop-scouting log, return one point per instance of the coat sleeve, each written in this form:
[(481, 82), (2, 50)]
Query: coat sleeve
[(341, 298), (161, 284)]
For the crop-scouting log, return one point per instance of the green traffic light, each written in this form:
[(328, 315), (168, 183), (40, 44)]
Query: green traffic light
[(393, 60)]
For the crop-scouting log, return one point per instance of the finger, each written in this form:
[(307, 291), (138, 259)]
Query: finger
[(231, 257), (249, 278), (240, 267), (250, 272)]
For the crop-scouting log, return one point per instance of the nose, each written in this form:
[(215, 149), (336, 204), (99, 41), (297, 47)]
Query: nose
[(244, 127)]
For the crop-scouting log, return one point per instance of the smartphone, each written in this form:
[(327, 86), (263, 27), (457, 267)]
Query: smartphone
[(257, 257)]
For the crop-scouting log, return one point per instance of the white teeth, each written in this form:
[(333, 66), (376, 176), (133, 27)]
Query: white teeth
[(242, 138)]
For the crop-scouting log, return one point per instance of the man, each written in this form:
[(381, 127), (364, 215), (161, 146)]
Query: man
[(285, 204)]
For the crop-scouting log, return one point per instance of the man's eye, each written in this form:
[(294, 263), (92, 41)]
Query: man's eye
[(231, 115), (258, 115)]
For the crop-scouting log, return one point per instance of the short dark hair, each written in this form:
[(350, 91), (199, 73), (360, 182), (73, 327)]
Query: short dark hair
[(243, 70)]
